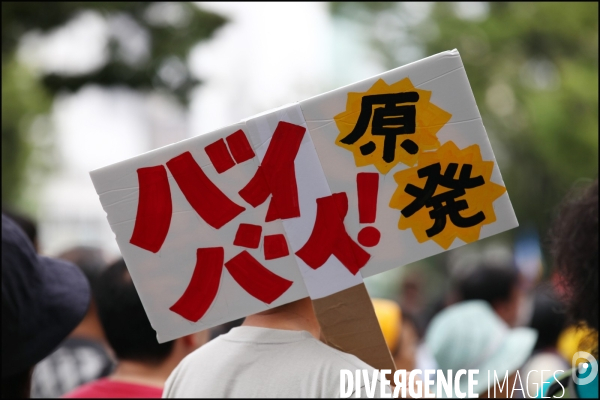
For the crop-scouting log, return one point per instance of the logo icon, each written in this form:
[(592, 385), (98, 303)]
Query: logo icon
[(588, 370)]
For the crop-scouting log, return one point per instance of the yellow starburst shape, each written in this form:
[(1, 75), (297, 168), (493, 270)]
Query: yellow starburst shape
[(417, 193), (368, 149)]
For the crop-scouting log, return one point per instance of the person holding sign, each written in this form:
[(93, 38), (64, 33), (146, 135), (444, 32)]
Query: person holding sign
[(275, 353), (281, 216)]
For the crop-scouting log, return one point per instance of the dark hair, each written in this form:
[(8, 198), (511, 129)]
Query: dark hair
[(124, 320), (89, 259), (17, 386), (574, 246), (548, 316), (489, 282)]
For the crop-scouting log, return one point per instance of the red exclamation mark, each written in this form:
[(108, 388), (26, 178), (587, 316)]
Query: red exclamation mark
[(367, 184)]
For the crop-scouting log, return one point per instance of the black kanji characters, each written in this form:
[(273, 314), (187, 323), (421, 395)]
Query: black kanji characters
[(390, 121), (445, 203)]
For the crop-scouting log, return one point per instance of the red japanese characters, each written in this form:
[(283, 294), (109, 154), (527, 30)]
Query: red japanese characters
[(219, 156), (250, 274), (256, 279), (238, 146), (154, 209), (275, 246), (367, 186), (275, 178), (277, 175), (329, 237), (203, 286), (215, 208), (248, 235)]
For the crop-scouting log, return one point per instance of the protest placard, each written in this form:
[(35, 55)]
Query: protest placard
[(307, 200)]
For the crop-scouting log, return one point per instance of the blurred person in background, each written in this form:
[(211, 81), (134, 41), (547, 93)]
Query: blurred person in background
[(43, 300), (412, 298), (143, 364), (548, 320), (495, 282), (574, 246), (471, 335), (413, 353), (399, 331), (84, 356), (418, 308)]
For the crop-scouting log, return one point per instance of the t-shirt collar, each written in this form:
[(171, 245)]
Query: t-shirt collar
[(254, 334)]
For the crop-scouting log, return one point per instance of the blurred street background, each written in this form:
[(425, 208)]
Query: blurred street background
[(85, 85)]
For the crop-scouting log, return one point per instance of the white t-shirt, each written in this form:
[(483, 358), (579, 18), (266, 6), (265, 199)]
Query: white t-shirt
[(262, 362)]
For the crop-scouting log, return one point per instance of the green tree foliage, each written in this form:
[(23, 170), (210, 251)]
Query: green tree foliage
[(23, 99), (533, 68), (171, 29)]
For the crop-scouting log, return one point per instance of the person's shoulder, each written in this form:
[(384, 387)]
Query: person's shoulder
[(206, 350), (183, 380), (194, 361)]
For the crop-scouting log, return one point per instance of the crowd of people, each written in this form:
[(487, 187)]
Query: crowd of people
[(73, 326)]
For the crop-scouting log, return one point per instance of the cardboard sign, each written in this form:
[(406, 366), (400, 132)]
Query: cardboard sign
[(307, 199)]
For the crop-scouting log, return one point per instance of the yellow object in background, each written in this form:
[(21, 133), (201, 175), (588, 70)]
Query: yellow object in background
[(574, 339), (389, 316)]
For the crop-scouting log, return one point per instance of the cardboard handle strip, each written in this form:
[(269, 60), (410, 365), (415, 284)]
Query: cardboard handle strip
[(349, 324)]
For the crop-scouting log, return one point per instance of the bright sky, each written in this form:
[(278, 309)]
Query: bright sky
[(260, 60), (269, 54)]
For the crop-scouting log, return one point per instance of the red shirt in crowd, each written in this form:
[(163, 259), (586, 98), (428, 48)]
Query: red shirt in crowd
[(108, 388)]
